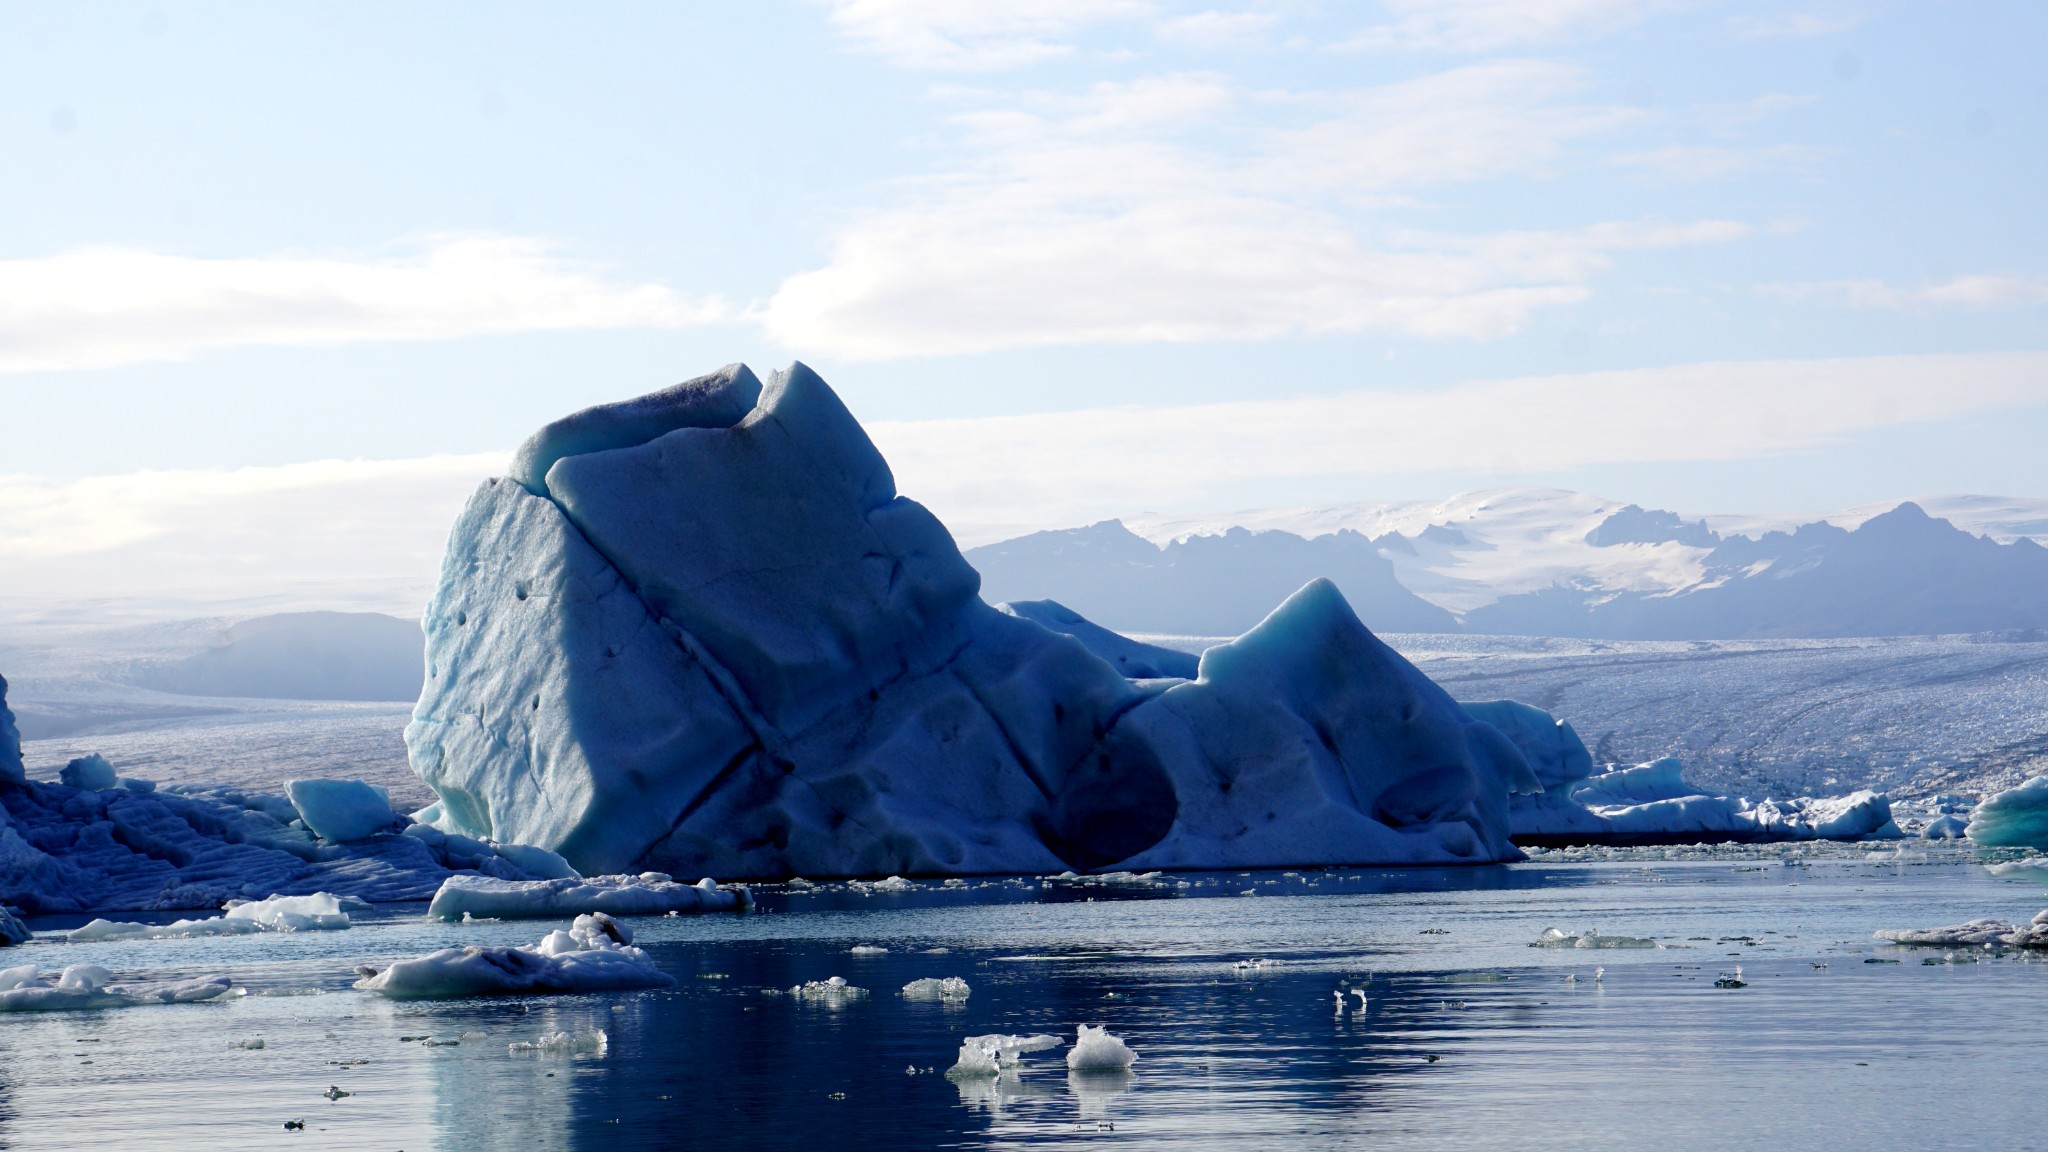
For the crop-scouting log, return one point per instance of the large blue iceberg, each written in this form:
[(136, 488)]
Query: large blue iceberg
[(701, 632)]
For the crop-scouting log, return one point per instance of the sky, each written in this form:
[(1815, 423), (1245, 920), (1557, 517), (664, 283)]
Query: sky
[(281, 282)]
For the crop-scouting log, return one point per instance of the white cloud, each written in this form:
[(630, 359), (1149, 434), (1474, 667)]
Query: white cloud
[(97, 307), (1474, 26), (1700, 162), (994, 476), (1215, 29), (1972, 291), (1156, 210), (328, 533), (1791, 25), (973, 35)]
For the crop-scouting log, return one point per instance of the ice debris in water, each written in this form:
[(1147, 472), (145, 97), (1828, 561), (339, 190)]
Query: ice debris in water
[(2034, 868), (2029, 935), (833, 991), (1553, 938), (1095, 1050), (565, 1044), (595, 954), (868, 950), (84, 987), (892, 884), (321, 911), (2015, 818), (12, 930), (935, 988), (990, 1055), (90, 772), (647, 894)]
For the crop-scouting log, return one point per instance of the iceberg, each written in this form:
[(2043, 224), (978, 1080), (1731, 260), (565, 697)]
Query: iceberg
[(2014, 818), (89, 987), (341, 809), (319, 912), (12, 930), (1095, 1050), (649, 894), (701, 632), (949, 988), (588, 957), (11, 769), (1946, 827), (90, 772), (2033, 934)]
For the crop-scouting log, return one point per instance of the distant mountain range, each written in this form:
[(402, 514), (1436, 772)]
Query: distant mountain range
[(1544, 562)]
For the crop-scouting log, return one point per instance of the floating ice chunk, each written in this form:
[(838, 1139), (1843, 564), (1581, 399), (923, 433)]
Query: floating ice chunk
[(2034, 868), (2015, 818), (88, 987), (565, 1044), (487, 896), (868, 950), (833, 991), (320, 911), (588, 957), (989, 1055), (937, 988), (1095, 1050), (90, 772), (1946, 828), (2030, 935), (892, 884), (1553, 938), (12, 930), (341, 809)]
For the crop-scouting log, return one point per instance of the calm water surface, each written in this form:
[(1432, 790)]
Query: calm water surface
[(1472, 1039)]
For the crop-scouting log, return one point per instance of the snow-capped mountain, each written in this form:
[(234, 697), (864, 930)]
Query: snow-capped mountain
[(1549, 562)]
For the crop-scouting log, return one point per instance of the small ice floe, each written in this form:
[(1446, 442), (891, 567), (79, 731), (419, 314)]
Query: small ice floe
[(565, 1044), (86, 987), (254, 1044), (937, 988), (595, 954), (1138, 880), (1253, 966), (1553, 938), (648, 894), (319, 912), (1095, 1050), (892, 884), (2033, 934), (2033, 869), (1731, 979), (868, 950), (832, 992), (991, 1055)]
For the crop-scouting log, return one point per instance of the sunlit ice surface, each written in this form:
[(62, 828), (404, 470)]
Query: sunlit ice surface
[(1468, 1037)]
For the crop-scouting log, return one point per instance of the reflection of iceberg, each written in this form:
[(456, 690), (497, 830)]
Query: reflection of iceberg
[(1096, 1089), (700, 632), (1653, 803)]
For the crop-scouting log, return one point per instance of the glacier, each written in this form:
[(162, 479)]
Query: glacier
[(701, 632)]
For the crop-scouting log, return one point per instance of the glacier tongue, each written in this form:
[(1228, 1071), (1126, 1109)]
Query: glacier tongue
[(704, 634)]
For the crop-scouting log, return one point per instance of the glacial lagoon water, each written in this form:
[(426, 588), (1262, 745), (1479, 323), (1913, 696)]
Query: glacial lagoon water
[(1470, 1039)]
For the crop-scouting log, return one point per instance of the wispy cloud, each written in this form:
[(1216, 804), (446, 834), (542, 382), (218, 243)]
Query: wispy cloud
[(1217, 29), (1155, 210), (1693, 163), (973, 35), (98, 307), (326, 533), (988, 477), (1981, 291), (1791, 25), (1477, 26)]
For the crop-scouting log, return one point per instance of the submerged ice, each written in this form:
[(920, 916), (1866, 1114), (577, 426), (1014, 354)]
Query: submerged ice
[(702, 632), (89, 987)]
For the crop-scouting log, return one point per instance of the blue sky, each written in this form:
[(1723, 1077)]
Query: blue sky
[(245, 237)]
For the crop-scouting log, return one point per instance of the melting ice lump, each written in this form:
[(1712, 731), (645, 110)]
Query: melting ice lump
[(648, 894), (990, 1055), (1095, 1050), (2033, 934), (318, 912), (2015, 818), (702, 632), (1556, 938), (88, 987), (341, 809), (588, 957), (937, 988)]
